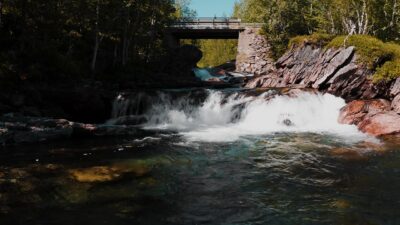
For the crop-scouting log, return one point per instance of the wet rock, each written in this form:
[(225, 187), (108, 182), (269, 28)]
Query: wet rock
[(108, 173), (356, 111), (288, 122), (371, 116), (92, 130), (380, 124), (32, 130), (95, 174), (23, 130)]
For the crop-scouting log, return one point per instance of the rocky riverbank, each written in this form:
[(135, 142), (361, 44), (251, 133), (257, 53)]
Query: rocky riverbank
[(25, 130), (338, 71)]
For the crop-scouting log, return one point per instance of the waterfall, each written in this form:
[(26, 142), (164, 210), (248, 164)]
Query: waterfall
[(226, 116)]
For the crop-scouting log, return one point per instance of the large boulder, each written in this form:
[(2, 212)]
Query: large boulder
[(373, 117), (380, 124), (355, 111)]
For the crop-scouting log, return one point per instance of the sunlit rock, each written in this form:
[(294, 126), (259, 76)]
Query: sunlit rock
[(354, 112), (95, 174), (385, 123), (108, 173)]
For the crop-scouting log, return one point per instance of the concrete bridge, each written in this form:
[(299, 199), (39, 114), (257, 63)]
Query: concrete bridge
[(210, 28), (253, 47)]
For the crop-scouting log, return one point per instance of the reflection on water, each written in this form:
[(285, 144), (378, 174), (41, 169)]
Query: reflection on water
[(281, 178)]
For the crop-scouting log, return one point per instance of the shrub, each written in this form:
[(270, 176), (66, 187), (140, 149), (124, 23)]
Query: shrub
[(371, 51), (319, 39)]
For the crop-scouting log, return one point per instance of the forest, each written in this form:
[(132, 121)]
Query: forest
[(91, 39), (109, 39)]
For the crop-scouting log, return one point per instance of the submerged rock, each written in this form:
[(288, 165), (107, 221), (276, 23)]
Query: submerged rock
[(348, 154)]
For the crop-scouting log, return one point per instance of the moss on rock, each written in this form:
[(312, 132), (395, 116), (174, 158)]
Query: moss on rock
[(383, 58), (320, 39)]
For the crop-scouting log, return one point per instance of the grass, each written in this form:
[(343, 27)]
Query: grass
[(320, 39), (383, 58)]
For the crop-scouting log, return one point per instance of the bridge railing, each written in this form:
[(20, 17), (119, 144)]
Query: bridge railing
[(213, 23)]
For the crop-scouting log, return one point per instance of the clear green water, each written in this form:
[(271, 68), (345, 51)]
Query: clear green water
[(282, 178)]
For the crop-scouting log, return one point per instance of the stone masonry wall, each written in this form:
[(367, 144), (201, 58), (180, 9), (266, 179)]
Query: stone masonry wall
[(253, 53)]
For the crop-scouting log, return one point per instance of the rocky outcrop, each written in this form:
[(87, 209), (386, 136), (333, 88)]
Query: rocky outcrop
[(335, 71), (24, 130), (338, 72), (371, 116), (253, 53)]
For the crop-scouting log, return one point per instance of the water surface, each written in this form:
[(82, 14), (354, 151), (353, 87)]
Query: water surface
[(172, 173)]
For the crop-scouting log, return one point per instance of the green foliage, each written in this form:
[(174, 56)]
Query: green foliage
[(251, 11), (285, 19), (319, 39), (217, 52), (369, 49), (382, 57), (391, 69), (182, 10), (81, 38)]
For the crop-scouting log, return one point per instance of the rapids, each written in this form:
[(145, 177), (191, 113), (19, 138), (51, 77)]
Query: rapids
[(225, 116)]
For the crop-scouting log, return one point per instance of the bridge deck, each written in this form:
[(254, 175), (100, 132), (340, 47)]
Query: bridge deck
[(210, 28)]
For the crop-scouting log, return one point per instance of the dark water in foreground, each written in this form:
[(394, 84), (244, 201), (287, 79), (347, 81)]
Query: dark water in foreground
[(282, 178)]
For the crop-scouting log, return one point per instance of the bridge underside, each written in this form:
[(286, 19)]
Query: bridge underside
[(205, 33)]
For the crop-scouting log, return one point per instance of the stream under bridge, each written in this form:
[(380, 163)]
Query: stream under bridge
[(252, 53)]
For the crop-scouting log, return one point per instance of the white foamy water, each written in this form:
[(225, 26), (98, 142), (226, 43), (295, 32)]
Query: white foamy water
[(225, 119)]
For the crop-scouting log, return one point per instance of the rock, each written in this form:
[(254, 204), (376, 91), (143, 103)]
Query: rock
[(253, 53), (396, 104), (334, 66), (384, 123), (371, 116), (355, 111), (95, 174), (336, 71), (395, 90), (24, 130), (91, 130)]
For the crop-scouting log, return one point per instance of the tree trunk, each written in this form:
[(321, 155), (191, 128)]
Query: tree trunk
[(96, 40)]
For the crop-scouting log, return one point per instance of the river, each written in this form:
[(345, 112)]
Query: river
[(209, 157)]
